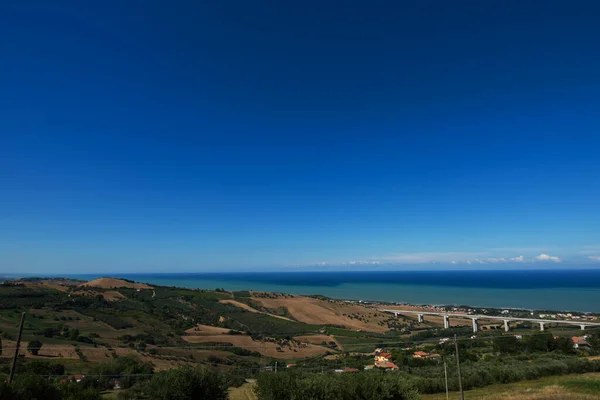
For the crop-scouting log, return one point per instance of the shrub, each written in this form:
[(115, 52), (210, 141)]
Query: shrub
[(188, 383), (34, 347), (364, 386)]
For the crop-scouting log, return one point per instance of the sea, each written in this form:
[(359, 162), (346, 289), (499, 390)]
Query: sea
[(568, 290)]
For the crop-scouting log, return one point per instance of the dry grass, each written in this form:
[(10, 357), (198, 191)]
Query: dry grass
[(269, 349), (317, 339), (553, 392), (110, 283), (203, 330), (111, 295), (244, 392), (254, 310), (564, 387), (49, 284), (160, 364), (325, 312)]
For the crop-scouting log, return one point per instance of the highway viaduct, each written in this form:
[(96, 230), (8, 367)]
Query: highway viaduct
[(475, 319)]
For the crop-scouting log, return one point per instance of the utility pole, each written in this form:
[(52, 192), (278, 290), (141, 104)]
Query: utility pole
[(462, 395), (14, 362), (446, 378)]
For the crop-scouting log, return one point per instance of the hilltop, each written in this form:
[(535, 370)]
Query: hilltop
[(111, 283)]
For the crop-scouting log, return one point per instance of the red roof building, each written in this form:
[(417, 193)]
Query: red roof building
[(388, 365)]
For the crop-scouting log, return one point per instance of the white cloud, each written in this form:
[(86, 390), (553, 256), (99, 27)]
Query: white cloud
[(517, 259), (363, 262), (546, 257), (420, 258), (496, 260), (594, 258)]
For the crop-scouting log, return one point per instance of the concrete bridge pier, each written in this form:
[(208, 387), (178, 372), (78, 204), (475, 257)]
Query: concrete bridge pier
[(506, 326), (396, 313), (583, 327), (542, 326), (446, 322), (475, 325), (420, 317)]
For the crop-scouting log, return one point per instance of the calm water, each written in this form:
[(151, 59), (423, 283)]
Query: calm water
[(576, 290)]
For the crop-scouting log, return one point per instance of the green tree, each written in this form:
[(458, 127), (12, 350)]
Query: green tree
[(49, 332), (34, 347), (188, 383), (41, 367), (29, 386), (70, 391), (507, 345), (74, 334), (539, 342)]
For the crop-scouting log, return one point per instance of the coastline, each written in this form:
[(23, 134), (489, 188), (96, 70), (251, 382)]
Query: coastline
[(564, 290)]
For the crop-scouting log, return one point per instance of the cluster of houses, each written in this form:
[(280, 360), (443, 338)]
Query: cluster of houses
[(73, 378), (429, 356), (382, 360), (78, 378), (569, 316)]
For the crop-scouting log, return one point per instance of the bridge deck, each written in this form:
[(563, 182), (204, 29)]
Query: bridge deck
[(500, 318)]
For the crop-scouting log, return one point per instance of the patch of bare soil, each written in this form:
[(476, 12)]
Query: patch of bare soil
[(267, 348), (329, 312)]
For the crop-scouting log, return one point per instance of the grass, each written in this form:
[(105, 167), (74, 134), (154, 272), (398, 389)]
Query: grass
[(582, 385), (576, 387), (244, 392), (346, 332)]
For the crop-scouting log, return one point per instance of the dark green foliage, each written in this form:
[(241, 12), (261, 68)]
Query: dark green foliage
[(49, 332), (30, 386), (74, 391), (41, 367), (23, 297), (244, 352), (431, 333), (265, 324), (80, 354), (119, 368), (73, 334), (362, 386), (582, 385), (507, 345), (498, 371), (538, 343), (106, 315), (188, 383), (34, 347)]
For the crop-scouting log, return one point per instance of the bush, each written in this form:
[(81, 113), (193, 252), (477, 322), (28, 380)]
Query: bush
[(187, 383), (29, 386), (41, 367), (364, 386), (71, 391), (34, 347)]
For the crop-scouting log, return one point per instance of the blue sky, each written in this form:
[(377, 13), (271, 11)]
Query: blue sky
[(200, 136)]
